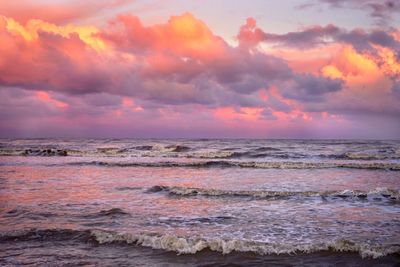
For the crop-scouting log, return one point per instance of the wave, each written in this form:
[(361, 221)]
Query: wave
[(217, 155), (22, 213), (266, 149), (128, 188), (248, 154), (390, 194), (182, 151), (143, 148), (99, 151), (164, 148), (34, 215), (362, 156), (256, 165), (149, 150), (179, 221), (111, 212), (178, 148), (43, 152), (45, 234), (195, 244), (192, 245), (107, 149)]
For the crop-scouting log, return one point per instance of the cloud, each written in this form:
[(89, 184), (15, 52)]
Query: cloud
[(181, 73), (381, 10), (314, 36), (182, 35), (365, 62), (178, 62), (50, 61), (309, 88), (59, 12)]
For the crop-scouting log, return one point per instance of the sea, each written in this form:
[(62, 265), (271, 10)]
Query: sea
[(203, 202)]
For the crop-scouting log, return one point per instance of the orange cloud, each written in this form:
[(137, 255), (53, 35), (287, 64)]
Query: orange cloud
[(390, 64), (33, 27), (182, 35), (368, 81), (362, 74), (307, 60), (47, 56)]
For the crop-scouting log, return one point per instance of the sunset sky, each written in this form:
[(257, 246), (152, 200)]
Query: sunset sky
[(200, 69)]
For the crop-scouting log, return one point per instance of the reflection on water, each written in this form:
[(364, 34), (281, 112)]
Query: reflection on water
[(265, 211)]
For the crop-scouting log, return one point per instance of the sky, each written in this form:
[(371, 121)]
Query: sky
[(200, 69)]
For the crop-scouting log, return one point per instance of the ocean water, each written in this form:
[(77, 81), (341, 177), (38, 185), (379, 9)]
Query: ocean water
[(199, 202)]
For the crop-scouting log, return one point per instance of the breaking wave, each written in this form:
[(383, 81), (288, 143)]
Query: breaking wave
[(217, 155), (43, 152), (183, 151), (390, 194), (242, 164), (99, 151), (257, 153), (164, 148), (362, 156), (194, 244)]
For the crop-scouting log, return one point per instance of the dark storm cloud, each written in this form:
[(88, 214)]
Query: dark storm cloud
[(309, 88)]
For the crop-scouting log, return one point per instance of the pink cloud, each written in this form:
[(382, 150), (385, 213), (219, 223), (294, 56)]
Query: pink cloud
[(180, 76), (45, 97), (60, 12)]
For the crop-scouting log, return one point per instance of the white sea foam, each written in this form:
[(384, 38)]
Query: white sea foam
[(192, 245), (213, 154), (392, 194)]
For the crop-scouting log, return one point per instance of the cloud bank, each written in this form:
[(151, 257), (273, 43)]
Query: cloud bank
[(180, 79)]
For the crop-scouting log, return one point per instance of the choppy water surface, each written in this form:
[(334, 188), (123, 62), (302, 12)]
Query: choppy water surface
[(199, 202)]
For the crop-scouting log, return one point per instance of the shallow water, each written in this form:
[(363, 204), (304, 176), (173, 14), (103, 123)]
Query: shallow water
[(200, 202)]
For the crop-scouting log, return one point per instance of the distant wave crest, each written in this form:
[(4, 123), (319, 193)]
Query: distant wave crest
[(243, 164), (362, 156), (202, 152)]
